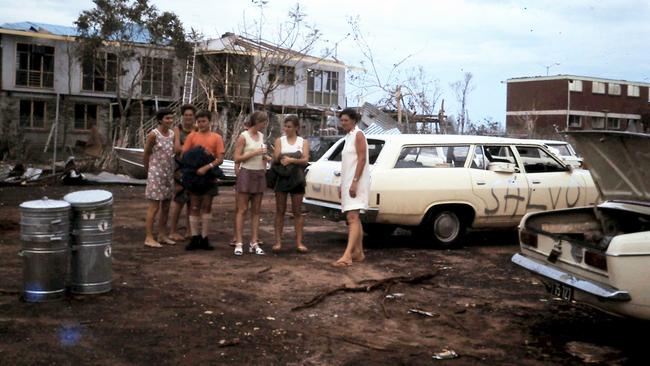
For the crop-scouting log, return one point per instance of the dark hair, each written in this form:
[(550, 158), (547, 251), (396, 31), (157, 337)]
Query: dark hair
[(162, 113), (203, 113), (350, 112), (295, 121), (256, 117), (186, 107)]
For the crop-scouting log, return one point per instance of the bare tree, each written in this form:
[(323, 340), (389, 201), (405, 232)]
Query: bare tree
[(461, 89), (409, 91)]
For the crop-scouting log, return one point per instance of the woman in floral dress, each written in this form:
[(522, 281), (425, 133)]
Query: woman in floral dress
[(159, 164)]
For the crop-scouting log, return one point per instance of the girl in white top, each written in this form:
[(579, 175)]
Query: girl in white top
[(250, 153), (355, 185), (290, 143)]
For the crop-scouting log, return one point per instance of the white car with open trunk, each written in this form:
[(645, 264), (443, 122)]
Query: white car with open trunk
[(441, 185), (599, 255)]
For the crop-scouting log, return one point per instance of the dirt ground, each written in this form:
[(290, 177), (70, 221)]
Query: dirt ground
[(169, 306)]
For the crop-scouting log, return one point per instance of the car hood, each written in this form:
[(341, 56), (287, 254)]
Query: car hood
[(619, 162)]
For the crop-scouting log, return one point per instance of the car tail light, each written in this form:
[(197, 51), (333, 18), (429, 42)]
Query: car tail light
[(596, 259), (528, 238)]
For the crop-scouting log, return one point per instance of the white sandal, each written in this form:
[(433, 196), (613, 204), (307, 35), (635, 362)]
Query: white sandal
[(239, 250), (255, 248)]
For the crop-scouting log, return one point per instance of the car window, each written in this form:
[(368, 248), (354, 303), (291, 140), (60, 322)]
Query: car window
[(374, 149), (432, 157), (483, 155), (537, 160), (562, 149)]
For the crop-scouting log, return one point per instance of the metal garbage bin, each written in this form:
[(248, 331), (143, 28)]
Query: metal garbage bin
[(92, 235), (44, 236)]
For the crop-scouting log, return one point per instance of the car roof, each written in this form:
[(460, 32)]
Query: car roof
[(550, 142), (450, 139)]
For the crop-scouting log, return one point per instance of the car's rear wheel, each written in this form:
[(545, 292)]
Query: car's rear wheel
[(378, 230), (445, 228)]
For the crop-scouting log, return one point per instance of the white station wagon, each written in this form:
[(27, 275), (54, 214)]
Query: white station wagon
[(441, 185), (599, 255)]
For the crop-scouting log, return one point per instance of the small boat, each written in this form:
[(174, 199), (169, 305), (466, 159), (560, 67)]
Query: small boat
[(131, 161)]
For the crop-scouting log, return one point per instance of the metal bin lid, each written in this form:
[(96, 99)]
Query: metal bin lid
[(44, 204), (93, 197)]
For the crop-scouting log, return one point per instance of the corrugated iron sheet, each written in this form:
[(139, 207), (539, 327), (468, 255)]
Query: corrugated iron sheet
[(377, 129)]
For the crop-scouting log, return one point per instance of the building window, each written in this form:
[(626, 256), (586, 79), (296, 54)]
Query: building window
[(322, 87), (34, 65), (575, 121), (597, 87), (598, 122), (575, 85), (633, 91), (157, 74), (100, 72), (614, 89), (283, 75), (34, 113), (85, 116), (613, 124)]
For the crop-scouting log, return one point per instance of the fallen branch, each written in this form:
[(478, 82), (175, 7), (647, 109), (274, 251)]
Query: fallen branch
[(369, 285), (265, 270)]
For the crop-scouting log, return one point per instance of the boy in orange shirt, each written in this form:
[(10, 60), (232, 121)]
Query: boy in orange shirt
[(200, 197)]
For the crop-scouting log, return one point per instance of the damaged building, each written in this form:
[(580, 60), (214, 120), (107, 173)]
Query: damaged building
[(41, 62)]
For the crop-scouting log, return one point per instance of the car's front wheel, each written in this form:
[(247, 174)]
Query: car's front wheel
[(445, 228)]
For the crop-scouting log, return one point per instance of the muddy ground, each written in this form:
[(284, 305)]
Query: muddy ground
[(169, 306)]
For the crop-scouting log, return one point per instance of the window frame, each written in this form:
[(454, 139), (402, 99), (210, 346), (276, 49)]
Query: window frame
[(604, 123), (613, 89), (599, 84), (86, 125), (338, 151), (286, 74), (637, 94), (575, 86), (611, 119), (552, 156), (94, 76), (579, 125), (32, 103), (328, 87), (164, 78), (433, 145), (41, 72)]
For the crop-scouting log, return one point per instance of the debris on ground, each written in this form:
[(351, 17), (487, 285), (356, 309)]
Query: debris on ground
[(229, 343), (445, 354), (593, 353), (422, 312), (367, 286), (110, 178), (395, 296)]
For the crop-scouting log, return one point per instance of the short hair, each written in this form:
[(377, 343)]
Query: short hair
[(203, 113), (257, 117), (350, 112), (162, 113), (186, 107), (295, 121)]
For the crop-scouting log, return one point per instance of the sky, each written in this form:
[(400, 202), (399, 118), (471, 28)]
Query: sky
[(493, 39)]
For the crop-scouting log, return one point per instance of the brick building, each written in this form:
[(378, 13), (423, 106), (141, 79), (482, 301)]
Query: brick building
[(537, 107)]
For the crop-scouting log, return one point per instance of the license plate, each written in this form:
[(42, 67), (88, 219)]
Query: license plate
[(562, 291)]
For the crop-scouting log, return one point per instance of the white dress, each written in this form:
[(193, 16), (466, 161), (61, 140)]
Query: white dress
[(348, 168)]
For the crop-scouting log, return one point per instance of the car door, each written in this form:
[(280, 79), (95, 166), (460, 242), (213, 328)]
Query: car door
[(499, 185), (551, 184), (324, 176)]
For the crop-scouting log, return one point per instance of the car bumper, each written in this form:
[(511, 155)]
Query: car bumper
[(332, 211), (601, 291)]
